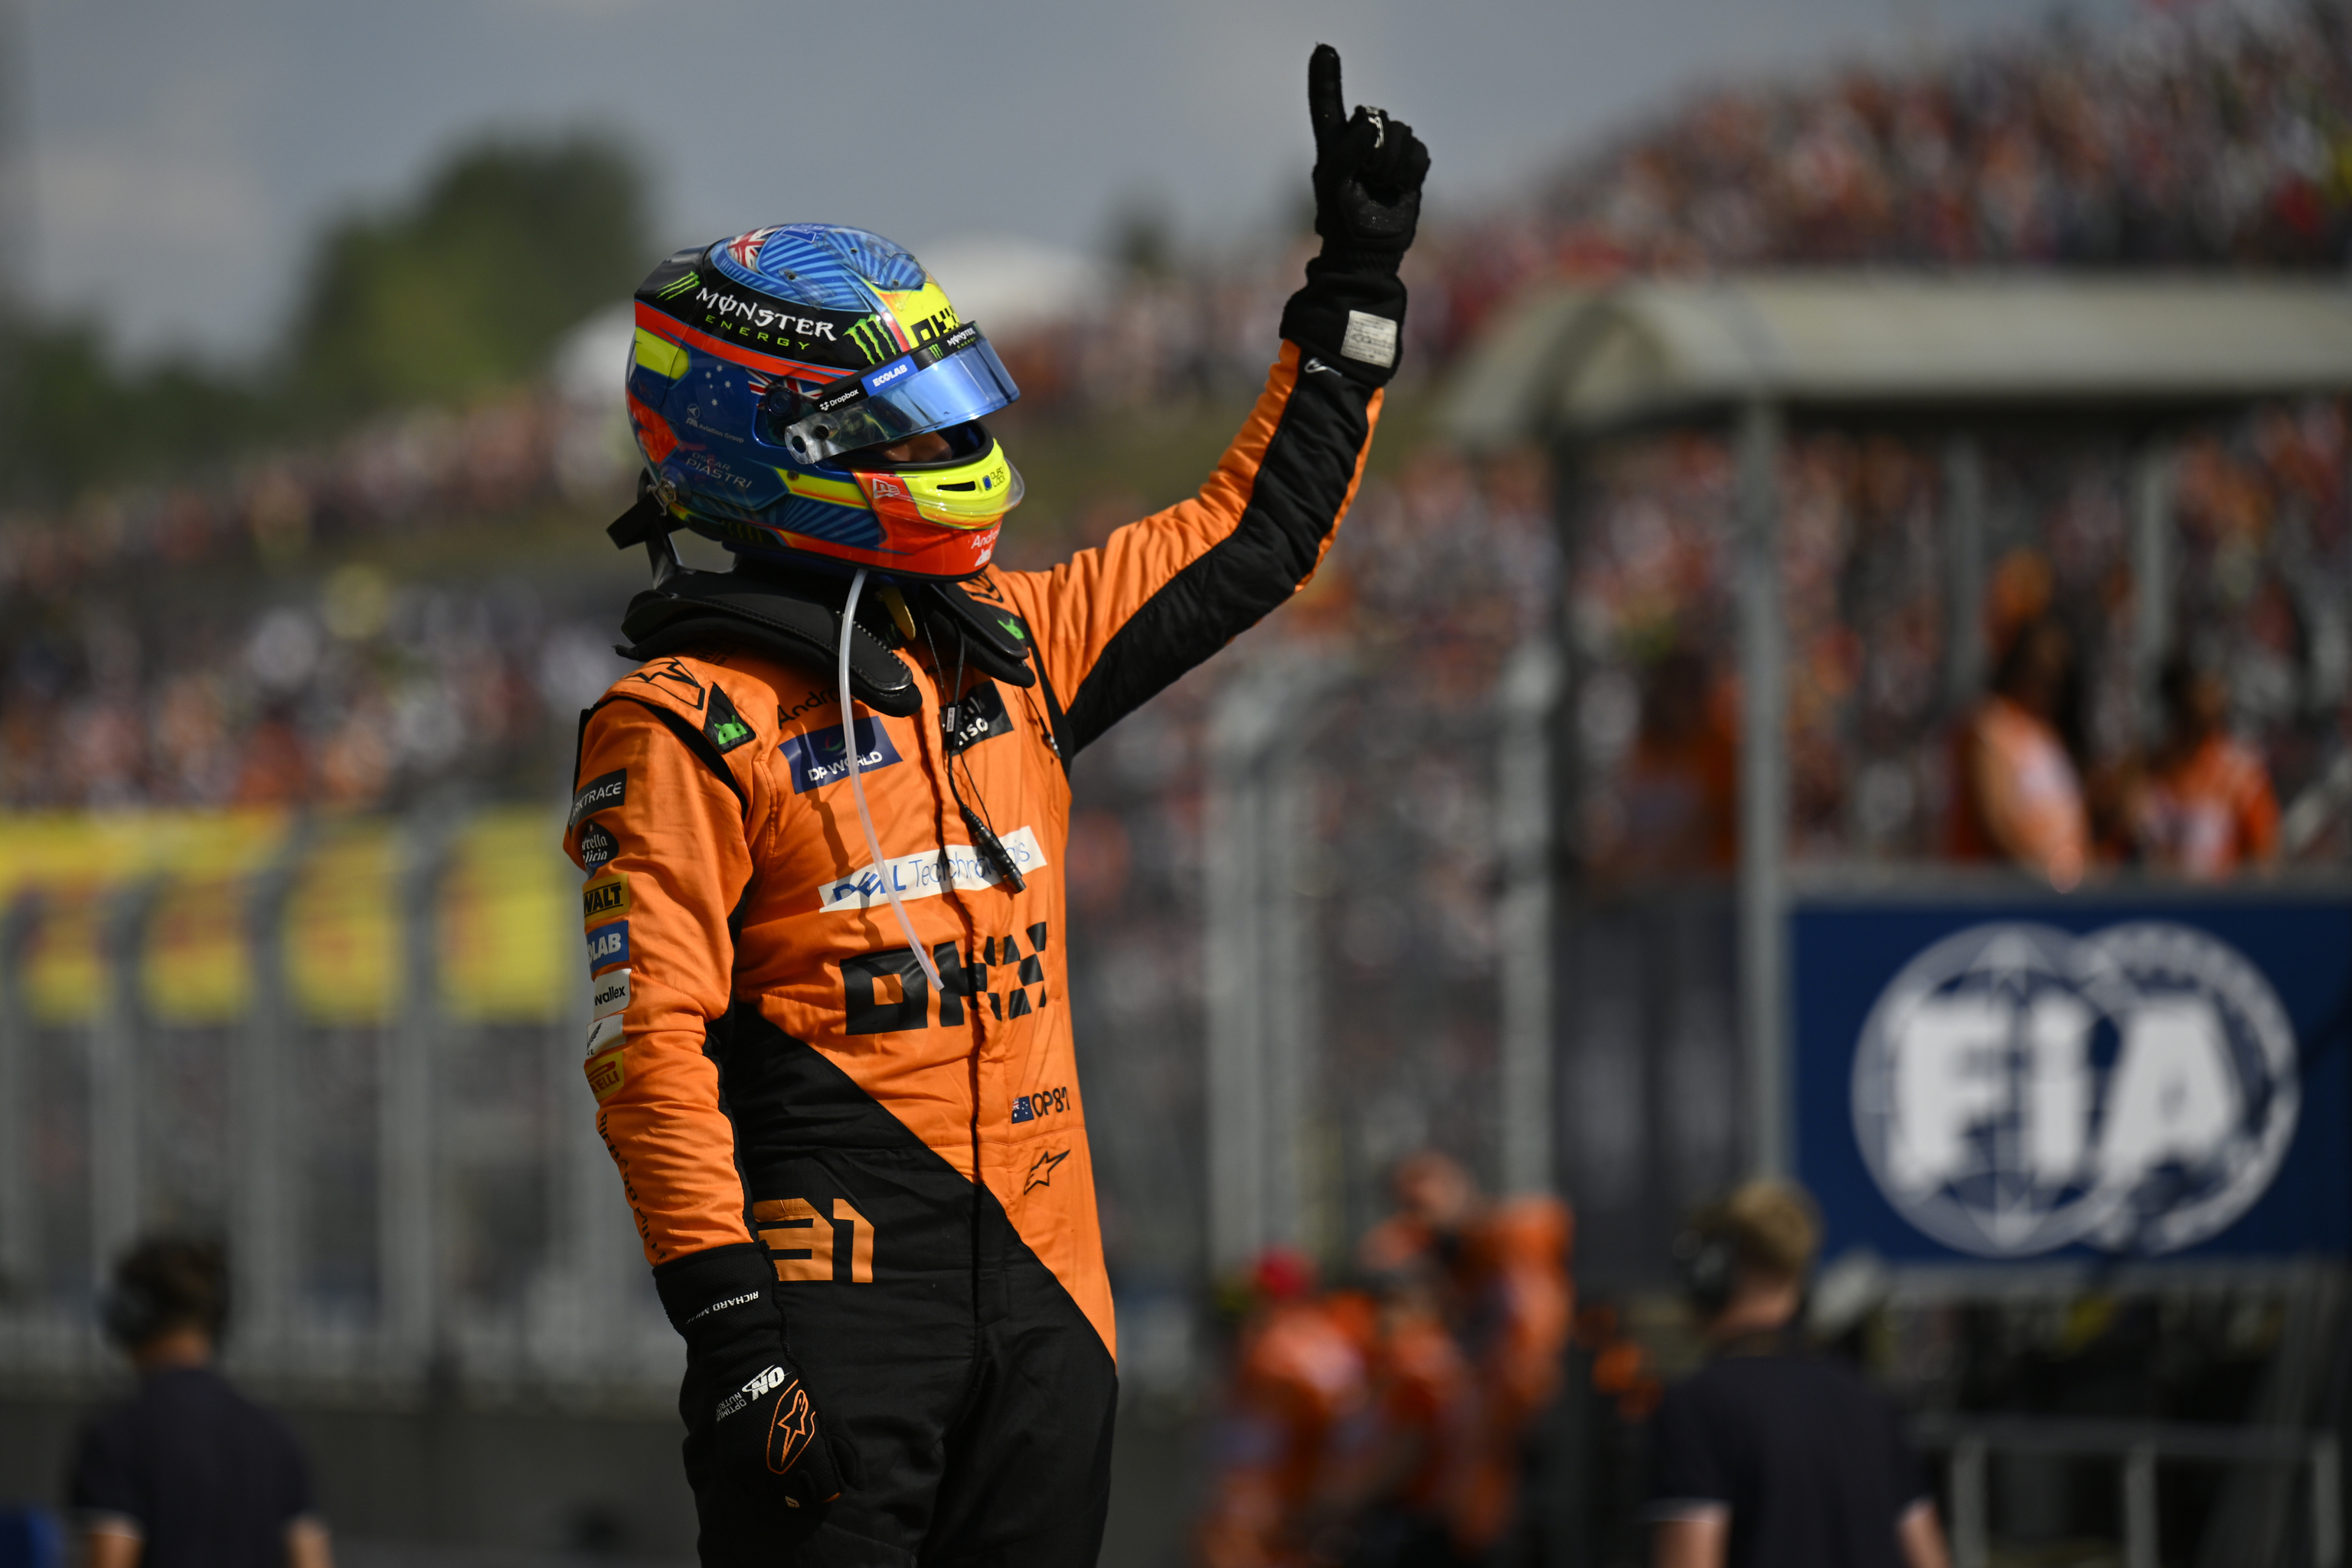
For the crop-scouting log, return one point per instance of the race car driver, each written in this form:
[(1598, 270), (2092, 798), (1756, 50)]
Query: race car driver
[(822, 825)]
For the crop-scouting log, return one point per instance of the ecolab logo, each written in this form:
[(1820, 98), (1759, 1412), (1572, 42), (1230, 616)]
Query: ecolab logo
[(2019, 1088), (882, 378)]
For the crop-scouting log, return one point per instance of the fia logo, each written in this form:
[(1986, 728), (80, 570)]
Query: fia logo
[(2019, 1088)]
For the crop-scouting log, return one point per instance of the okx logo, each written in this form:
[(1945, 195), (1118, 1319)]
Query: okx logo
[(888, 992), (2019, 1088)]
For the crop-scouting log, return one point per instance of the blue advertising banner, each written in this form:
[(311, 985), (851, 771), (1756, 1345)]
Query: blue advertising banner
[(2091, 1077)]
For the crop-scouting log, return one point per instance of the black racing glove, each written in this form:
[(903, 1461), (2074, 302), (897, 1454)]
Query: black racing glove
[(1369, 171), (761, 1466)]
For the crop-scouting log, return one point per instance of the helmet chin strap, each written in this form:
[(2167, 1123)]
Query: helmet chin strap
[(857, 787)]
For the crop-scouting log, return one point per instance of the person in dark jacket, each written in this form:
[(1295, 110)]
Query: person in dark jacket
[(187, 1471), (1772, 1456)]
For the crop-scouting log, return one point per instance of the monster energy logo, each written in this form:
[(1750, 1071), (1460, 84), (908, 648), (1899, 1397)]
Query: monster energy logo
[(672, 290), (867, 333)]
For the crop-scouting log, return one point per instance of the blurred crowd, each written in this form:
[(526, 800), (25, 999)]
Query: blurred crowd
[(2196, 136), (2007, 707), (2204, 136), (1390, 1423)]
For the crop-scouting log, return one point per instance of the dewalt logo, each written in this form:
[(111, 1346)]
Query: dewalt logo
[(605, 898)]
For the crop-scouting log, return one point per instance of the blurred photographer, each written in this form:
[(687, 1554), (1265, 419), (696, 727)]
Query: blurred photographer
[(187, 1470), (1772, 1456)]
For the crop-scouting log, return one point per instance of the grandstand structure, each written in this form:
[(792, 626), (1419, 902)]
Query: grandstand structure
[(1574, 367), (1946, 363)]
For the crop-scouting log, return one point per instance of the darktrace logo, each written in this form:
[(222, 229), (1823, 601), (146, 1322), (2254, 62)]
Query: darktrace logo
[(602, 792), (2019, 1088)]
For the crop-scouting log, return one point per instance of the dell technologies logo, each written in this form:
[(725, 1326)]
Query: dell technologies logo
[(2019, 1088)]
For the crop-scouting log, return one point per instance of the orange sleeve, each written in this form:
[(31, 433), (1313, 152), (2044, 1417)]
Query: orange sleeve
[(659, 824), (1115, 625)]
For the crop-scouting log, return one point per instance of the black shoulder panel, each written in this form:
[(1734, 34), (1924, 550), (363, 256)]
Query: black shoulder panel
[(1294, 505)]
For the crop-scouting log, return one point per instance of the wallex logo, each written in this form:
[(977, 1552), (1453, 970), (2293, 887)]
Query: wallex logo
[(888, 992), (605, 898)]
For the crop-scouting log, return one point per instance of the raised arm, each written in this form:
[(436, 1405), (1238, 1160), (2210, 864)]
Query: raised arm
[(1116, 624)]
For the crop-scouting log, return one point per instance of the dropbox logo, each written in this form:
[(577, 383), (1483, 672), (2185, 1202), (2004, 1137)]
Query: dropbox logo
[(2019, 1088)]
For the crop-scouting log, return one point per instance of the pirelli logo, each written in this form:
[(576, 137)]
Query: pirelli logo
[(606, 1074), (604, 897)]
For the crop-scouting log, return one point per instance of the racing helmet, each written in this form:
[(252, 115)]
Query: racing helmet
[(770, 369)]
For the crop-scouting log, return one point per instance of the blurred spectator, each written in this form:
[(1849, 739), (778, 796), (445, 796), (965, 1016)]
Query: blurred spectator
[(1771, 1457), (1411, 1475), (1681, 784), (1300, 1401), (2020, 797), (2205, 807), (1501, 1270), (187, 1473)]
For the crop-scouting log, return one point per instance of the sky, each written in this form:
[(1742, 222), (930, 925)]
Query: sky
[(183, 151)]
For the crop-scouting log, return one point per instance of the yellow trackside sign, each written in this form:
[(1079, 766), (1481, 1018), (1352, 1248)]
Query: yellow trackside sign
[(605, 898)]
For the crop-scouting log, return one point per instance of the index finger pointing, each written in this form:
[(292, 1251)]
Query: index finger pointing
[(1326, 106)]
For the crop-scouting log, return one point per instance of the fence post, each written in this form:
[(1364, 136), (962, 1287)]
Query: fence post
[(409, 1187), (1971, 1546), (261, 1070), (1263, 1013), (1763, 791), (19, 1238), (1531, 689), (1964, 635), (115, 1182), (2140, 1508), (2327, 1502), (2152, 573)]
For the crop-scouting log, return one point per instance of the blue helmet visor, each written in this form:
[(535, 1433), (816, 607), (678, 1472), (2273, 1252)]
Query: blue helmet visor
[(951, 381)]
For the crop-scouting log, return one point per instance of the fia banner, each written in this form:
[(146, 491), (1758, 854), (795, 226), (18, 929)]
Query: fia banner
[(2080, 1078)]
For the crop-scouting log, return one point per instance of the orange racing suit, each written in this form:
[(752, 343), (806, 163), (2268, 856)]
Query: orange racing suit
[(772, 1066)]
